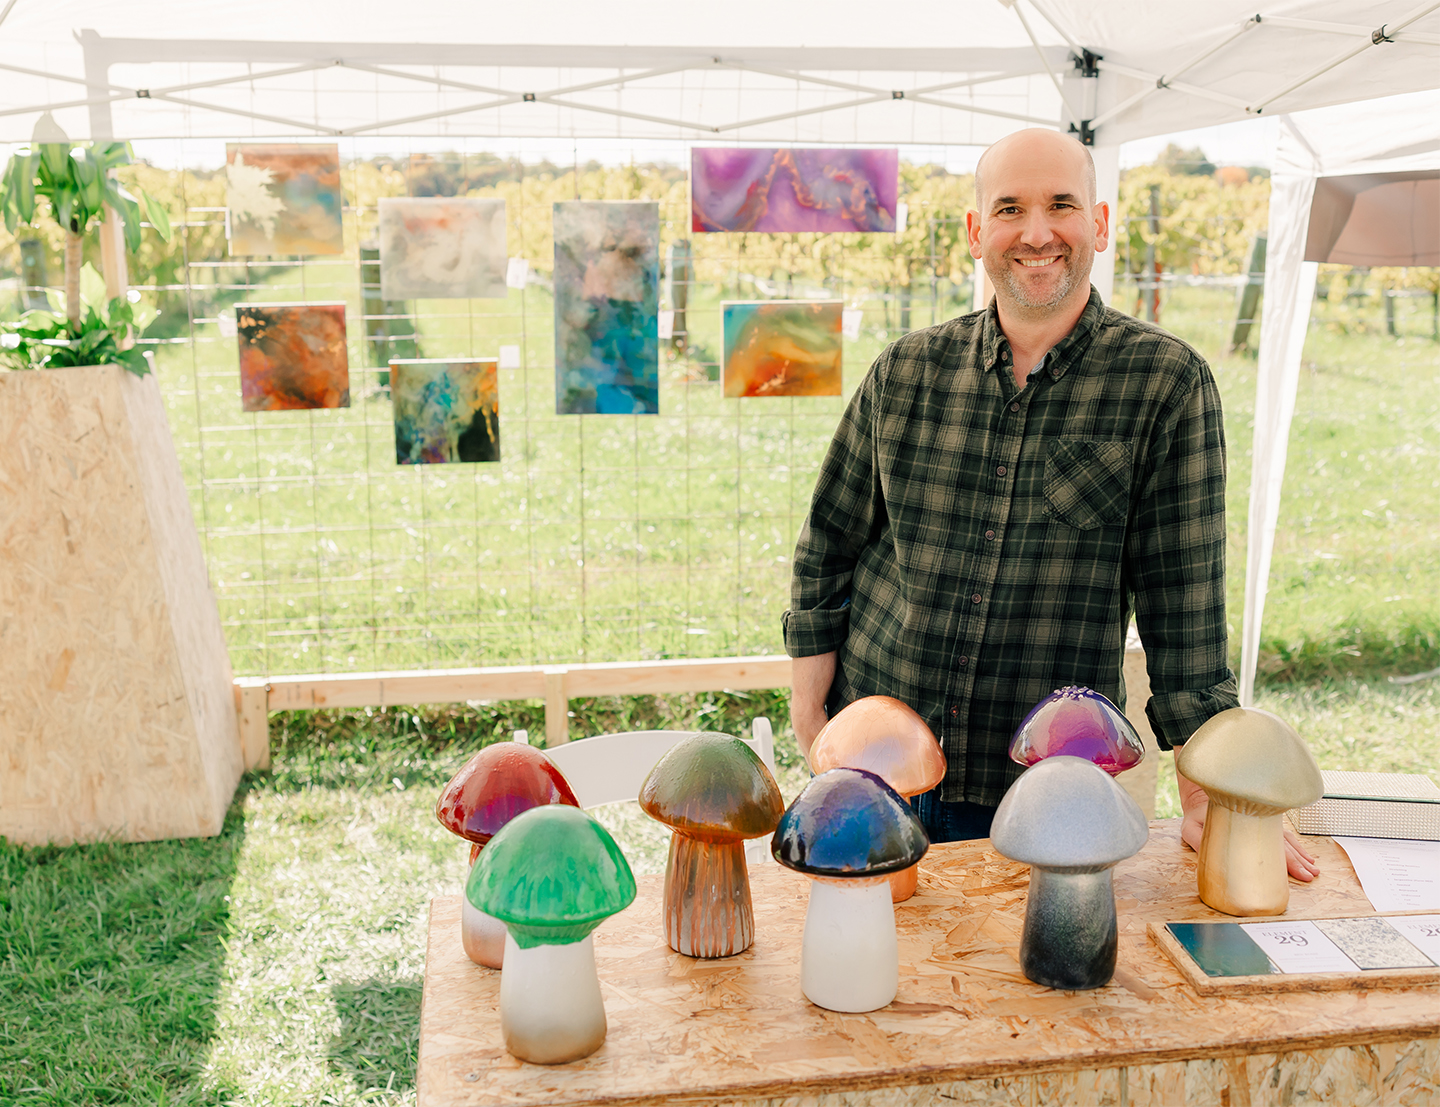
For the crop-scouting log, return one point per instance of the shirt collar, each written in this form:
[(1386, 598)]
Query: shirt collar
[(994, 345)]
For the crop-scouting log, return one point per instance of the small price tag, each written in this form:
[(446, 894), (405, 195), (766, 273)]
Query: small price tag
[(850, 324), (509, 357), (517, 272), (902, 217), (666, 322)]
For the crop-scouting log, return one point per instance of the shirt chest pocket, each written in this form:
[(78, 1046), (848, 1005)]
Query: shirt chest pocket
[(1087, 482)]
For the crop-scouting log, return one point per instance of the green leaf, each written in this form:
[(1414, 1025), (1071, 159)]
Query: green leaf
[(159, 218), (55, 157), (133, 360), (92, 188), (92, 287)]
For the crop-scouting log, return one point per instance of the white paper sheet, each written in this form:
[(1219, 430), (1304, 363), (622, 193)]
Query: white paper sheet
[(665, 324), (1422, 930), (1397, 874), (509, 357), (1298, 947), (850, 324), (517, 272)]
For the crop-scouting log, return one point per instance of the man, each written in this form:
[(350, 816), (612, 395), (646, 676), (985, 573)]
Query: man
[(1004, 490)]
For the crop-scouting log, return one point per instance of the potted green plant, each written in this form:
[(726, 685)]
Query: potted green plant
[(76, 182), (118, 701)]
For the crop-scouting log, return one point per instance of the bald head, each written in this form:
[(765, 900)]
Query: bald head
[(1034, 147)]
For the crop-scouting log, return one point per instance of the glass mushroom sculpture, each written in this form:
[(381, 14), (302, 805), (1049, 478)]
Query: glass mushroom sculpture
[(848, 831), (890, 739), (1254, 768), (714, 793), (1071, 823), (551, 875), (494, 786), (1077, 722)]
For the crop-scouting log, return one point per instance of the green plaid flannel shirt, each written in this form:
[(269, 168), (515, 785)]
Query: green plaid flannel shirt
[(972, 546)]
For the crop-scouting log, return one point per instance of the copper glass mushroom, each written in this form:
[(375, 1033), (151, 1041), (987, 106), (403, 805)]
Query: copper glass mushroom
[(1254, 768), (714, 793), (848, 831), (498, 783), (888, 738), (1071, 823), (1075, 721)]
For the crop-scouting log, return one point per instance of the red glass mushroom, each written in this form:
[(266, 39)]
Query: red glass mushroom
[(501, 781), (890, 739)]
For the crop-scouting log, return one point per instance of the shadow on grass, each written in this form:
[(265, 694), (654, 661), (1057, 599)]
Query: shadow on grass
[(113, 956), (379, 1039)]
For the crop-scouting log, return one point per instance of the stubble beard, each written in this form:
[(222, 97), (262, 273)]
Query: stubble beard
[(1076, 269)]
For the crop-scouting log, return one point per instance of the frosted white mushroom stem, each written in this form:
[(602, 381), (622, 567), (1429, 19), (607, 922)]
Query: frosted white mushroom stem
[(849, 958), (550, 1006), (482, 935), (1242, 857)]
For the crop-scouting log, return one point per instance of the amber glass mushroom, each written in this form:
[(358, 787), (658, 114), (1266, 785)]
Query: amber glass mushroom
[(713, 792), (888, 738), (1254, 768), (501, 781)]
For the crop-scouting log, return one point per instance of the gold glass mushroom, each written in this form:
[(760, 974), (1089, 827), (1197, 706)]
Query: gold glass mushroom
[(888, 738), (1254, 768)]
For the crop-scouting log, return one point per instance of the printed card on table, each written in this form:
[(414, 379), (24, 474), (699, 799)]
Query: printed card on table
[(1298, 946)]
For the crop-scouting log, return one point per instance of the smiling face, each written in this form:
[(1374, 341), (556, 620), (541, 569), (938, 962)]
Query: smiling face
[(1038, 227)]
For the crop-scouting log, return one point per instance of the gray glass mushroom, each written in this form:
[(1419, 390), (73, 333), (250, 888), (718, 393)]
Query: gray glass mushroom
[(1071, 823), (1254, 768)]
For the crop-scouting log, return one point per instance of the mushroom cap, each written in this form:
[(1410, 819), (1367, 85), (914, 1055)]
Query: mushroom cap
[(1068, 813), (498, 783), (849, 822), (551, 875), (1078, 722), (713, 787), (886, 737), (1251, 761)]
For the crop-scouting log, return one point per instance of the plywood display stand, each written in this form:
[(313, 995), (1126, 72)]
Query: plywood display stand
[(117, 709), (966, 1026)]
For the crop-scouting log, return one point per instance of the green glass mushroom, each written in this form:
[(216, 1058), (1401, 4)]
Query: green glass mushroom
[(714, 792), (551, 875)]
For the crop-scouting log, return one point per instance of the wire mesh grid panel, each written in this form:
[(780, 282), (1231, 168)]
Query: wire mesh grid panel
[(594, 537)]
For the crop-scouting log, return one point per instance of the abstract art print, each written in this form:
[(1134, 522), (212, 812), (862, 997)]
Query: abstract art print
[(283, 199), (607, 277), (787, 190), (434, 248), (292, 356), (445, 411), (781, 348)]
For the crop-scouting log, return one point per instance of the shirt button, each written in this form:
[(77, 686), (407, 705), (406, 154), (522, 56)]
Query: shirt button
[(989, 536), (954, 711), (1014, 407), (964, 661), (975, 598), (1000, 470)]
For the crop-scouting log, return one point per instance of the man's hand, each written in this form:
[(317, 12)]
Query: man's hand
[(810, 679), (1194, 802)]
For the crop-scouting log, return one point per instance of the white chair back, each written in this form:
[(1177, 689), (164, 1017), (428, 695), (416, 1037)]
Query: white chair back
[(609, 768)]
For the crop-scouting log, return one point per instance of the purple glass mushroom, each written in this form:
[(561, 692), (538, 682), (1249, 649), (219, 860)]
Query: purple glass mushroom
[(1078, 722)]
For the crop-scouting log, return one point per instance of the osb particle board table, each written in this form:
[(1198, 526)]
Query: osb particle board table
[(966, 1027)]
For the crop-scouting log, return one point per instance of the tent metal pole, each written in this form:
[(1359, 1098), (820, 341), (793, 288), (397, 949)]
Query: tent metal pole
[(313, 127), (1167, 80), (1373, 38), (63, 104), (1349, 29), (978, 110), (514, 98), (1250, 23), (795, 75), (219, 81), (1050, 19), (1049, 72), (799, 112), (443, 82), (627, 114), (1177, 86), (8, 7)]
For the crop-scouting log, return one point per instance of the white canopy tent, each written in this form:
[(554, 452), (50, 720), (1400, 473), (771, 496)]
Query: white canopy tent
[(933, 72), (1397, 137)]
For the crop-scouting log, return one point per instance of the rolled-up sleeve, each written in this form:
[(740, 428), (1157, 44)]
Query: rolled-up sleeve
[(1176, 562), (845, 509)]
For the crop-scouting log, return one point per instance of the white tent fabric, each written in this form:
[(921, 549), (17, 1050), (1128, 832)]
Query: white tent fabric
[(925, 71), (1391, 135)]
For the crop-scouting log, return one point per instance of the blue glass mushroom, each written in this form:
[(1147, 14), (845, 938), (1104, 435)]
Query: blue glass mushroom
[(848, 831)]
